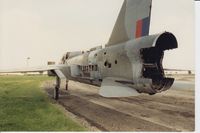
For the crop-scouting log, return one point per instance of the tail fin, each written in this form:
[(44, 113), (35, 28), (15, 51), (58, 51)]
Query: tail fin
[(133, 21)]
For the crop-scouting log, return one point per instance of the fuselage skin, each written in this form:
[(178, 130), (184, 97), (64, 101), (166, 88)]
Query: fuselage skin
[(137, 63)]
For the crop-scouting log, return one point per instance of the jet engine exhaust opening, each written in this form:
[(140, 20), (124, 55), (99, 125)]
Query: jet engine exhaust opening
[(152, 61), (166, 41)]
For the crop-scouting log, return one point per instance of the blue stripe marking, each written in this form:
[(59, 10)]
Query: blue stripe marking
[(145, 26)]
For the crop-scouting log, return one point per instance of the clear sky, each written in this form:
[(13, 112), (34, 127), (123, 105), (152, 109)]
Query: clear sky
[(45, 29), (197, 11)]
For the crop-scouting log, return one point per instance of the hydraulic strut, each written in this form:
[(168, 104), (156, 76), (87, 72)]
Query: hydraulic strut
[(57, 87)]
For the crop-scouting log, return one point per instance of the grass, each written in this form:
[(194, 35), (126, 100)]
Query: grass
[(24, 106)]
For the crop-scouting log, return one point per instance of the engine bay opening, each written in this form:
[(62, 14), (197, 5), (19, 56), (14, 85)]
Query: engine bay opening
[(152, 61), (153, 69), (166, 41)]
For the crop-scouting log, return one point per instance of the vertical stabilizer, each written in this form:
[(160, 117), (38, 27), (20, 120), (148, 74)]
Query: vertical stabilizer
[(133, 21)]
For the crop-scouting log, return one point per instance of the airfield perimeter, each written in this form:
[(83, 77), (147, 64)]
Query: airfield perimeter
[(172, 110)]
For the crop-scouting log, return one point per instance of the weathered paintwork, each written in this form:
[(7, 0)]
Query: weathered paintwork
[(125, 63), (126, 26)]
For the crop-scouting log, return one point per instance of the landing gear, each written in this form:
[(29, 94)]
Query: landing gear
[(66, 85), (57, 87)]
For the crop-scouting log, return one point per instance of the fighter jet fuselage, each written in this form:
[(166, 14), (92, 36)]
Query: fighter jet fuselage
[(128, 63)]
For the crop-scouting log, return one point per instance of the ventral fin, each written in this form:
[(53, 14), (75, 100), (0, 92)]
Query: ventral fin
[(111, 88)]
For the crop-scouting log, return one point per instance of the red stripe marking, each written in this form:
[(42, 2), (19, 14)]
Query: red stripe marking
[(138, 32)]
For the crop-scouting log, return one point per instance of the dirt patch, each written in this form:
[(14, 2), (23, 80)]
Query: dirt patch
[(162, 112)]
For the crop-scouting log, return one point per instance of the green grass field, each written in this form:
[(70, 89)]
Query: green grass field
[(24, 106)]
